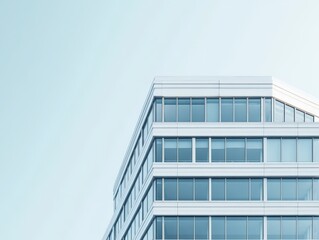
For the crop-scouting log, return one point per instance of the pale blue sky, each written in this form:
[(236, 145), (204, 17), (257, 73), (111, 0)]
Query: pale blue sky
[(74, 75)]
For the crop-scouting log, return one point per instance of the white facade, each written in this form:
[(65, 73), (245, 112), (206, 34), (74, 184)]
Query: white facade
[(136, 194)]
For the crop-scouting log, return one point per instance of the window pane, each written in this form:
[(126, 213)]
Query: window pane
[(185, 189), (198, 110), (304, 150), (254, 110), (227, 110), (170, 189), (316, 189), (289, 114), (170, 228), (201, 189), (184, 110), (273, 189), (316, 149), (273, 150), (256, 189), (159, 189), (254, 150), (218, 150), (300, 116), (186, 228), (170, 110), (288, 150), (268, 110), (304, 228), (240, 110), (279, 111), (289, 189), (235, 150), (237, 189), (212, 110), (316, 228), (289, 228), (273, 228), (218, 189), (158, 150), (201, 150), (309, 118), (255, 228), (170, 150), (201, 228), (158, 110), (218, 228), (236, 228), (304, 189), (185, 150)]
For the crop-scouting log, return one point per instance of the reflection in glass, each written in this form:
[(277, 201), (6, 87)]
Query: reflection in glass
[(158, 189), (185, 189), (218, 150), (304, 150), (316, 149), (289, 150), (170, 189), (289, 228), (235, 150), (202, 150), (256, 189), (237, 189), (309, 118), (218, 189), (170, 110), (254, 150), (254, 110), (218, 228), (186, 228), (289, 189), (158, 150), (304, 228), (273, 150), (198, 110), (299, 115), (240, 110), (268, 110), (274, 189), (158, 109), (279, 111), (170, 150), (227, 110), (212, 110), (201, 189), (201, 228), (273, 228), (185, 150), (304, 189), (236, 228), (289, 114), (170, 228), (255, 228), (159, 228), (184, 110)]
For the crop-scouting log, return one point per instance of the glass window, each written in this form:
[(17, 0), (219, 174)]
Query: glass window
[(198, 110), (237, 189), (273, 228), (201, 228), (256, 189), (226, 109), (274, 189), (316, 228), (255, 228), (185, 150), (268, 110), (289, 114), (212, 110), (254, 150), (304, 189), (304, 228), (158, 150), (201, 189), (254, 110), (289, 228), (279, 111), (218, 150), (304, 150), (159, 189), (316, 149), (186, 228), (309, 118), (316, 189), (185, 189), (170, 189), (235, 150), (289, 189), (300, 116), (158, 109), (236, 228), (288, 150), (202, 150), (170, 110), (240, 110), (184, 112), (170, 150), (218, 228), (218, 189), (273, 150), (170, 228)]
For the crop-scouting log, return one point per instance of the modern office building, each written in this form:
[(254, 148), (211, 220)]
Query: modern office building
[(220, 158)]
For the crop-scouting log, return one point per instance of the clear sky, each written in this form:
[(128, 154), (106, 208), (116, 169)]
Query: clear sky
[(74, 75)]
